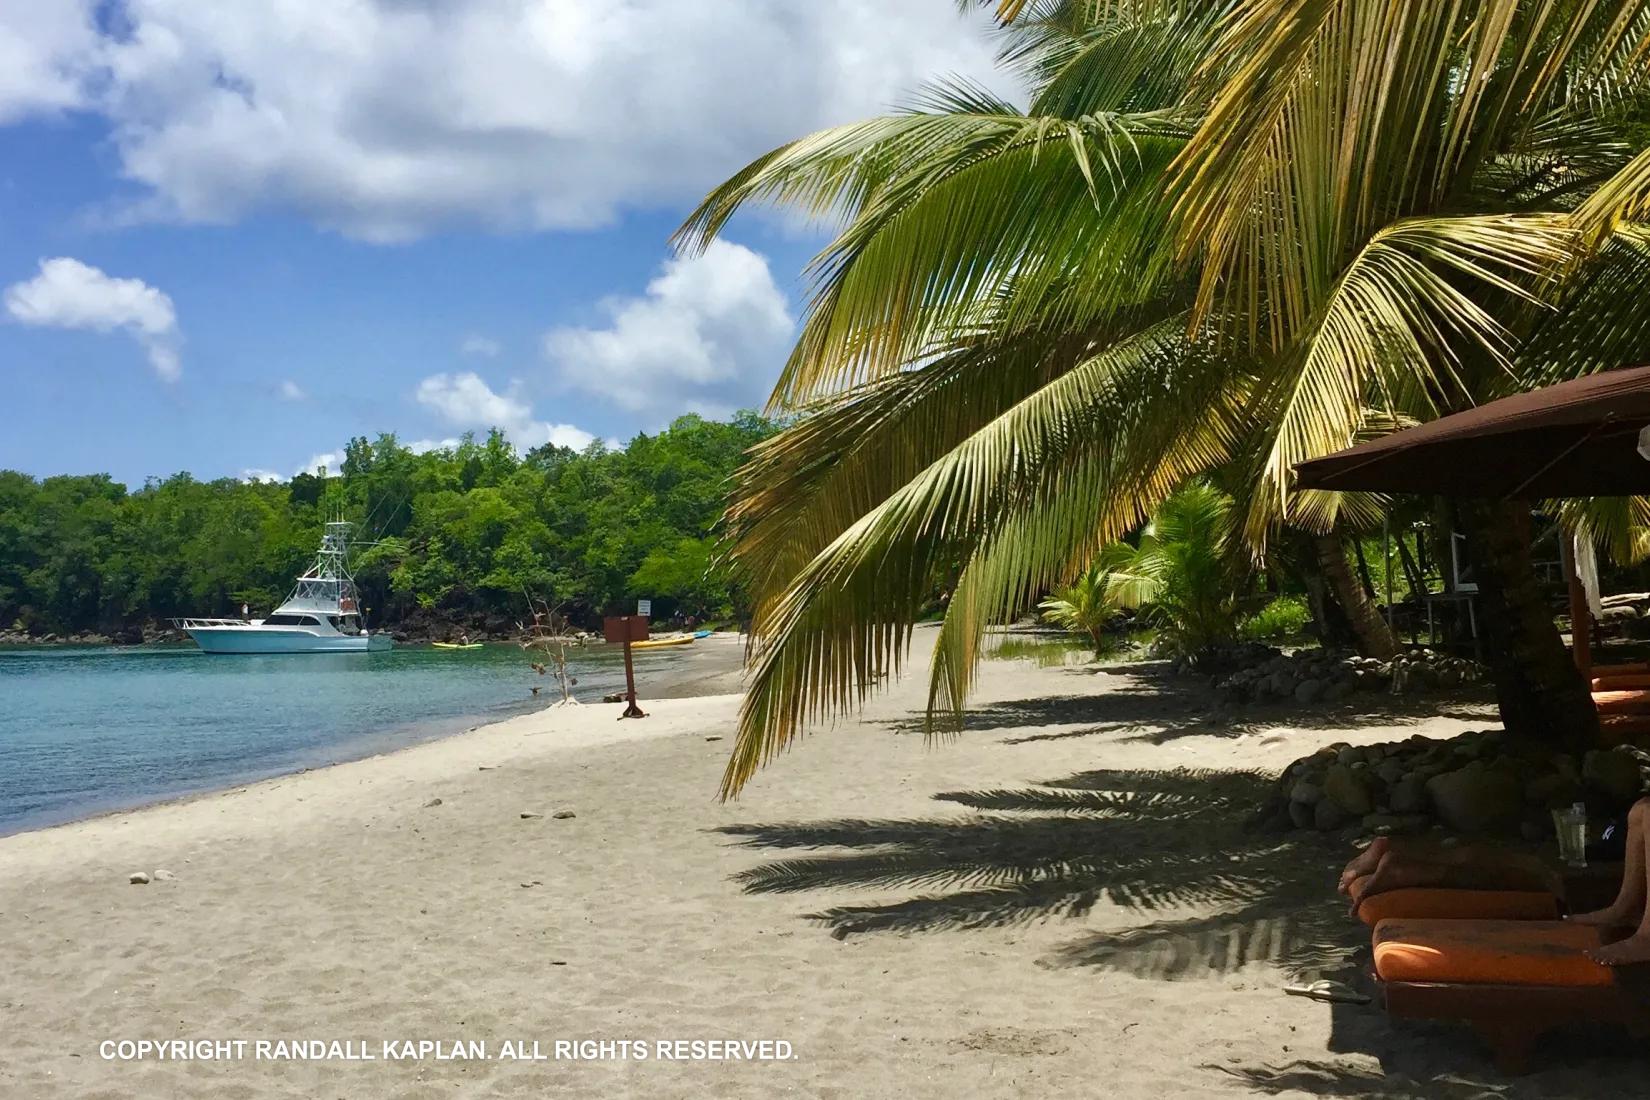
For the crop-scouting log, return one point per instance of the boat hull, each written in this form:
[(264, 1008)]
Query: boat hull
[(255, 640)]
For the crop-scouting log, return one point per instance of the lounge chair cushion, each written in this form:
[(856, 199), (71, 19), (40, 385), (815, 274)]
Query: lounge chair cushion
[(1628, 669), (1436, 903), (1622, 702), (1494, 952), (1623, 726), (1624, 681)]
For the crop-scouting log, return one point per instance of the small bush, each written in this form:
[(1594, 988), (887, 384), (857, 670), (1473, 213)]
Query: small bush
[(1284, 617)]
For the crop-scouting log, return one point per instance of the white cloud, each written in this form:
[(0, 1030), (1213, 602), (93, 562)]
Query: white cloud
[(46, 52), (386, 119), (481, 346), (424, 446), (465, 401), (255, 474), (289, 390), (708, 336), (70, 294), (332, 460)]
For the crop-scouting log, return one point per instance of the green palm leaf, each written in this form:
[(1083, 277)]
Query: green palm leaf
[(1361, 214)]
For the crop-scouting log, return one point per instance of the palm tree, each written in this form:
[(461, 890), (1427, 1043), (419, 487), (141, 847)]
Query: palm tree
[(1220, 234), (1184, 571), (1085, 606)]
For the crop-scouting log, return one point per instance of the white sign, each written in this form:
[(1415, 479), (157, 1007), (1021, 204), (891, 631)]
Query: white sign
[(644, 607)]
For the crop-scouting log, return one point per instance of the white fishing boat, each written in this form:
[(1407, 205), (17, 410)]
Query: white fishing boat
[(322, 615)]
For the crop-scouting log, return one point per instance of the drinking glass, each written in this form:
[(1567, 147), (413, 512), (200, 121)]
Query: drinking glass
[(1571, 826)]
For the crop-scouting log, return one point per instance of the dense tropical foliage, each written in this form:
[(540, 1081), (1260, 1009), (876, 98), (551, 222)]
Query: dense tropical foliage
[(1282, 618), (1087, 606), (1221, 234), (462, 534), (1185, 572)]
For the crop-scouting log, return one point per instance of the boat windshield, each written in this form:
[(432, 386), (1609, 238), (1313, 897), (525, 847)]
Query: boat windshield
[(291, 620)]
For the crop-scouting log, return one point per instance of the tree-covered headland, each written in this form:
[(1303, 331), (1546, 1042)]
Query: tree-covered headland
[(454, 536)]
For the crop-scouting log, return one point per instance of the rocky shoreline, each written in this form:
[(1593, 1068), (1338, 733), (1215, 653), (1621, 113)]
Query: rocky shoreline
[(126, 636), (420, 629)]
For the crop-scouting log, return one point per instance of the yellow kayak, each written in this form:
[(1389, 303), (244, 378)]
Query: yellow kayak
[(455, 645), (660, 643)]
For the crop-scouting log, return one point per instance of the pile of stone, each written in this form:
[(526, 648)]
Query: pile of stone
[(1479, 782), (1628, 612), (1329, 676)]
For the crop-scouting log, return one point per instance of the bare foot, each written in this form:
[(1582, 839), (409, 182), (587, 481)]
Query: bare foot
[(1613, 916), (1364, 863), (1633, 949)]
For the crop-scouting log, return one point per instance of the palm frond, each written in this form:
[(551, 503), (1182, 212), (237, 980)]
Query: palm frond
[(804, 486), (1329, 119), (1392, 333), (1597, 320), (1620, 526), (933, 248), (1085, 438), (1364, 214), (1623, 198)]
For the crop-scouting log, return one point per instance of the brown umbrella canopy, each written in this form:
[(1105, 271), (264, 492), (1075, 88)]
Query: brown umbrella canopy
[(1575, 439)]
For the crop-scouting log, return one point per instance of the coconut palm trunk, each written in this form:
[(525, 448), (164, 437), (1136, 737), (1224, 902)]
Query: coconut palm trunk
[(1374, 637), (1540, 691)]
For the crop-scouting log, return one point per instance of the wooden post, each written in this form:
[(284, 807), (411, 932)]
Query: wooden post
[(627, 629), (631, 711), (1581, 616)]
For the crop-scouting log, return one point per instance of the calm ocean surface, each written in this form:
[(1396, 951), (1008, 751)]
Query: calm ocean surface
[(83, 730)]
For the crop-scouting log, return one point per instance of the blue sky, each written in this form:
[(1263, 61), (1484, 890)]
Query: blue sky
[(232, 239)]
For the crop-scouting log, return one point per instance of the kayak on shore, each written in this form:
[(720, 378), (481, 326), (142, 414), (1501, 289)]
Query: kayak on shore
[(660, 643)]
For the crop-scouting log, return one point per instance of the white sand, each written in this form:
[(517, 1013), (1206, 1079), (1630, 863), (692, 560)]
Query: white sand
[(1143, 956)]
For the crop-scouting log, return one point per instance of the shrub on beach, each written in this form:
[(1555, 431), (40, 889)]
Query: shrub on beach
[(1285, 617), (1186, 574), (1182, 575), (1086, 606)]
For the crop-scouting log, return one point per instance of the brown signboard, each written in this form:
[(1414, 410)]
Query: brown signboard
[(624, 628)]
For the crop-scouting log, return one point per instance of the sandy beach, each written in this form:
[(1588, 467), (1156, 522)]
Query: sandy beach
[(1060, 901)]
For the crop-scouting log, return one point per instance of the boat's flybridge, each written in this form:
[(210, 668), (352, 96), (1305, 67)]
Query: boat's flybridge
[(321, 615)]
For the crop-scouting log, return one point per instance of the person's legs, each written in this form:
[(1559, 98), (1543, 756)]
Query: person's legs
[(1386, 865), (1409, 853), (1635, 948), (1364, 863), (1628, 908), (1457, 867)]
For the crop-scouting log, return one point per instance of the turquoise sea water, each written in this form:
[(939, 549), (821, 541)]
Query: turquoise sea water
[(84, 730)]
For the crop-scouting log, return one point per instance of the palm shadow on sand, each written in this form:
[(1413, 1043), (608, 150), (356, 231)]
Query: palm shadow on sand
[(1148, 703), (1146, 842)]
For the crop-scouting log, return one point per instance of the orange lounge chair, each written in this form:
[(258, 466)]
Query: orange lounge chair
[(1441, 903), (1630, 668), (1623, 727), (1622, 702), (1513, 981), (1622, 681)]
